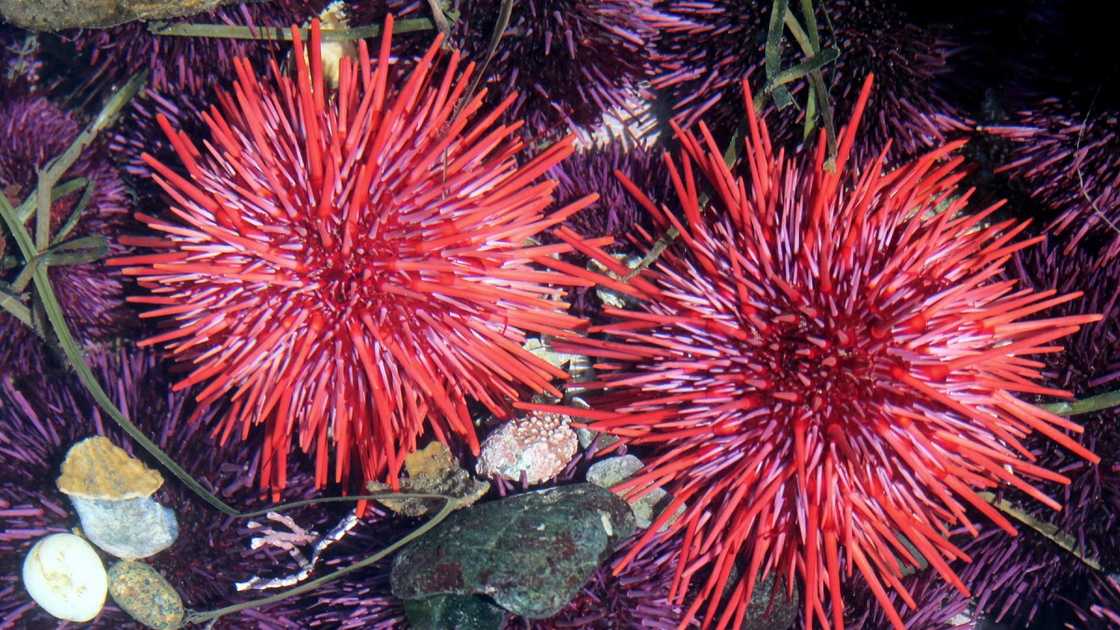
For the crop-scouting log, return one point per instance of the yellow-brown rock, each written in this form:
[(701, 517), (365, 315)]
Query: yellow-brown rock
[(432, 470), (95, 468)]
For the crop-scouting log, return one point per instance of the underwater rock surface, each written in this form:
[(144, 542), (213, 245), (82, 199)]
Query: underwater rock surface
[(614, 470), (531, 552), (453, 612), (145, 595), (55, 15), (129, 529)]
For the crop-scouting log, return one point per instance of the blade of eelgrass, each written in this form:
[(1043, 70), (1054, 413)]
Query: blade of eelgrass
[(773, 62), (793, 73), (27, 208), (79, 208), (13, 306), (1049, 531), (438, 16), (78, 251), (449, 506), (1092, 404), (77, 360), (8, 301), (15, 227), (505, 13), (269, 33), (58, 166)]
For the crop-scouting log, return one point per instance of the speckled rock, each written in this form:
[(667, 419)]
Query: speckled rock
[(613, 470), (453, 612), (432, 470), (541, 444), (145, 595), (95, 468), (129, 529), (531, 552), (607, 472)]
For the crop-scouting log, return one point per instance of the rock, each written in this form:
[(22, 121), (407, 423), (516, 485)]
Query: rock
[(762, 614), (531, 552), (95, 468), (453, 612), (64, 575), (613, 470), (542, 348), (601, 440), (129, 529), (111, 491), (610, 297), (54, 15), (145, 595), (433, 470), (541, 444)]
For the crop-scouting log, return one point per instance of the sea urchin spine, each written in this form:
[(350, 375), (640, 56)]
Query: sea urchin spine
[(353, 266), (826, 362)]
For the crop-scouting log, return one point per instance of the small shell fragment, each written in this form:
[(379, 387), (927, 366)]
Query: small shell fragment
[(65, 576)]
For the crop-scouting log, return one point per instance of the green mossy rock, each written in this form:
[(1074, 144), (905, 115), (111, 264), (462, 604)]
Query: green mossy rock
[(453, 612), (531, 552)]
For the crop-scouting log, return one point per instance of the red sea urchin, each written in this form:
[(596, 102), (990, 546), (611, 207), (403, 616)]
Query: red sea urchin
[(825, 361), (353, 266)]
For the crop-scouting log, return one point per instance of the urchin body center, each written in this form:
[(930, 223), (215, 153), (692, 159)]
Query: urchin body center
[(821, 363)]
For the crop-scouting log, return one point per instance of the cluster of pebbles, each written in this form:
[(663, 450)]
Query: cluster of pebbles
[(111, 492)]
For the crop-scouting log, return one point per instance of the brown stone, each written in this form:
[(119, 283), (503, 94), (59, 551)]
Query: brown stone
[(95, 468), (432, 470), (55, 15)]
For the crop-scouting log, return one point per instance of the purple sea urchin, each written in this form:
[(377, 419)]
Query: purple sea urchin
[(1070, 158), (708, 46), (33, 131), (41, 419), (569, 60), (913, 62), (140, 131), (1091, 363), (616, 213), (704, 50), (185, 64)]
